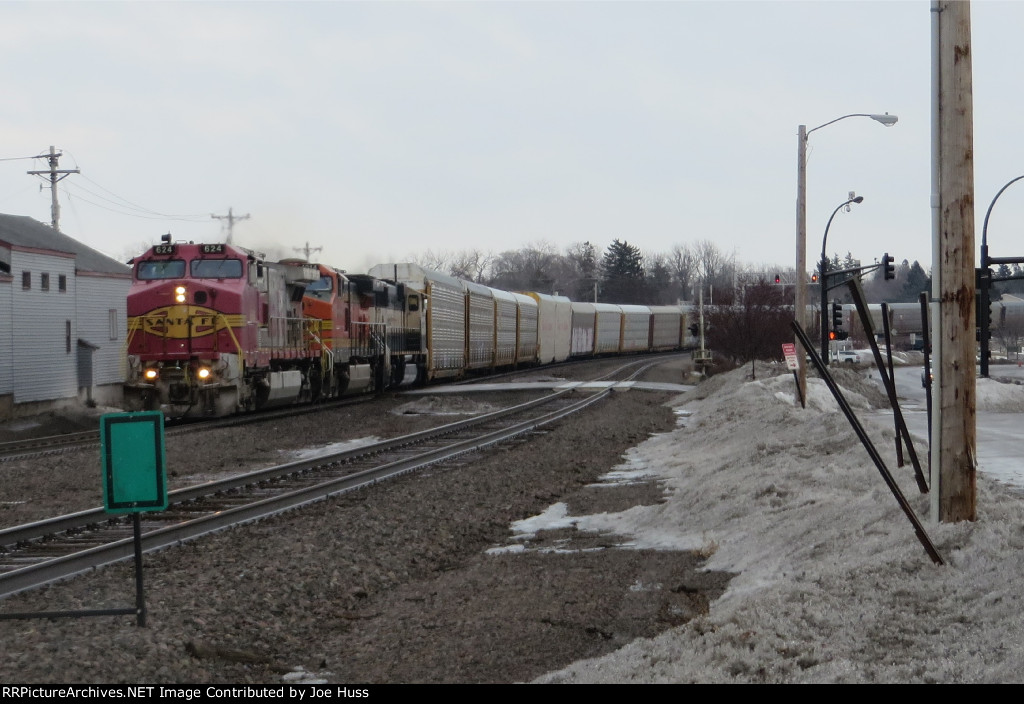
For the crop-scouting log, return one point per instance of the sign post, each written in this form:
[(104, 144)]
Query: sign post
[(134, 480), (134, 476)]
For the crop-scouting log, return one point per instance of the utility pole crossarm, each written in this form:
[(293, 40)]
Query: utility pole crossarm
[(231, 218), (55, 175)]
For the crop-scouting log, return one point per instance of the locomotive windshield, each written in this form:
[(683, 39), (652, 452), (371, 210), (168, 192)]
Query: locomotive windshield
[(160, 269), (321, 289), (216, 268)]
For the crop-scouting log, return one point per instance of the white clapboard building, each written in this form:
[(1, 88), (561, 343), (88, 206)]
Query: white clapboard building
[(62, 319)]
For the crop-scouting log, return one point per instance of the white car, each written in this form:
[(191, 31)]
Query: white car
[(849, 356)]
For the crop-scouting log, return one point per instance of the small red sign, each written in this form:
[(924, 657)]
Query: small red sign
[(789, 351)]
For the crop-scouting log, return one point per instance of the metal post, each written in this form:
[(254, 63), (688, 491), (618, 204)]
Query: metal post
[(800, 296), (824, 277), (824, 304), (140, 598), (985, 304)]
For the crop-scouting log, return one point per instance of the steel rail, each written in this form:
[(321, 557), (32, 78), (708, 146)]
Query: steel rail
[(38, 530), (59, 568)]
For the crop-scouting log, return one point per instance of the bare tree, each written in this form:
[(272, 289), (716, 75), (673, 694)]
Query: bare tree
[(471, 265), (714, 270), (754, 328), (682, 269), (659, 288), (435, 260), (529, 269), (578, 278)]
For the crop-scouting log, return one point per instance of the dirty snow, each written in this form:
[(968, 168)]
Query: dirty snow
[(832, 583)]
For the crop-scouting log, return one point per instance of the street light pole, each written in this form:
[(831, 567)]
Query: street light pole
[(985, 294), (823, 279), (800, 296)]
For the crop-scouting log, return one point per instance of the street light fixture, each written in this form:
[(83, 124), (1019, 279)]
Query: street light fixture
[(800, 297), (824, 279)]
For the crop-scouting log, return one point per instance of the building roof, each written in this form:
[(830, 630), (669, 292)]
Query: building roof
[(23, 231)]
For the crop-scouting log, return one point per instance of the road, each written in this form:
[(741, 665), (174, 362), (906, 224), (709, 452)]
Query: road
[(1000, 443)]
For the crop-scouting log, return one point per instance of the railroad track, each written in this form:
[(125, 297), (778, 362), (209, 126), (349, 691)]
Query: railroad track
[(47, 551), (56, 444), (66, 442)]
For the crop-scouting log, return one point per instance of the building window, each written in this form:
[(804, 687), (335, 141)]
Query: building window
[(62, 282), (67, 336), (112, 317), (44, 281), (26, 280)]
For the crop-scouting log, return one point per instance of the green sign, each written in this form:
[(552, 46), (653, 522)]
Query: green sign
[(133, 460)]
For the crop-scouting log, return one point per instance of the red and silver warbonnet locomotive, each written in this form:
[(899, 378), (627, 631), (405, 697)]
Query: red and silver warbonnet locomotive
[(214, 329)]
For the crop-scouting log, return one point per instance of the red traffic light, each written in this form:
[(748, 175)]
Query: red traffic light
[(814, 278), (778, 278), (831, 334)]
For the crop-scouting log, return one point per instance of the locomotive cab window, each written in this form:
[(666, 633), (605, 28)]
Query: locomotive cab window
[(321, 289), (160, 269), (217, 268)]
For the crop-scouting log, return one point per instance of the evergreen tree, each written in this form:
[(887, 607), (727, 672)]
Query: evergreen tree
[(915, 280), (622, 274)]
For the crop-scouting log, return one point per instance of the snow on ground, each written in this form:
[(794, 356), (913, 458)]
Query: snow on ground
[(455, 406), (832, 584), (332, 448), (998, 397)]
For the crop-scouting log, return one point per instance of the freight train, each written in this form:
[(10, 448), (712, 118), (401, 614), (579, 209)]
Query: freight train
[(1006, 316), (217, 329)]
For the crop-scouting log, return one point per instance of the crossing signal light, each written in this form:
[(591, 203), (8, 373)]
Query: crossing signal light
[(887, 266)]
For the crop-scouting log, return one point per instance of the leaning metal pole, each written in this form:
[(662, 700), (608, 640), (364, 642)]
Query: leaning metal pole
[(868, 445)]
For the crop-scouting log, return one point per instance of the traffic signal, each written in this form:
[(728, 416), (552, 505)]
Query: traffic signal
[(837, 315), (778, 279), (982, 304), (887, 266), (814, 278), (832, 335), (694, 329)]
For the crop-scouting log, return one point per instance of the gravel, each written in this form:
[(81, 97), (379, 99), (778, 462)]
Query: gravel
[(394, 584)]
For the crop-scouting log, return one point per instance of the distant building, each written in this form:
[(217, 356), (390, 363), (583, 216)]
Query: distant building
[(62, 319)]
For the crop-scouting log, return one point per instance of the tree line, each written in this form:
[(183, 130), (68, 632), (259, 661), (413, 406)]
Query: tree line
[(624, 274), (750, 307)]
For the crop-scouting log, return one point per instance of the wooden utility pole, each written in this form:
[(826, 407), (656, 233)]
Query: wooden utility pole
[(955, 348), (230, 217), (307, 250), (55, 175)]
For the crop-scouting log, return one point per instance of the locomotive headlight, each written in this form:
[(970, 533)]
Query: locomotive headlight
[(151, 374), (179, 294), (203, 373)]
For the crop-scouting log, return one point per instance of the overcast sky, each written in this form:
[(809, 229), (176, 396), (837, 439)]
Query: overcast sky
[(379, 130)]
